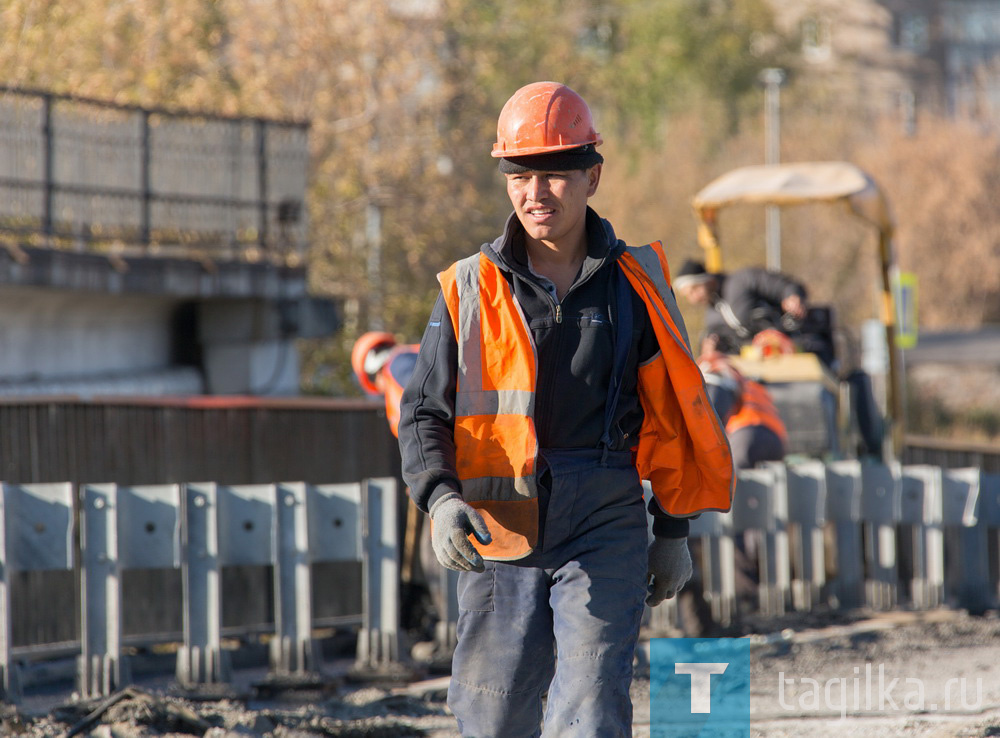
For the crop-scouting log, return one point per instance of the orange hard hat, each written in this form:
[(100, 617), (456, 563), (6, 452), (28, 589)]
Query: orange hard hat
[(367, 357), (772, 342), (542, 118)]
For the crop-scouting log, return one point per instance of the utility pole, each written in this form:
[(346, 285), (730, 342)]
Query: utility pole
[(772, 79), (376, 199)]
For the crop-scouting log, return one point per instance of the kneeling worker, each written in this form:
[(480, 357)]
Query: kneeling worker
[(755, 429)]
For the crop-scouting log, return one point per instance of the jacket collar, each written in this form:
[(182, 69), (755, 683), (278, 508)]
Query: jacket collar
[(508, 251)]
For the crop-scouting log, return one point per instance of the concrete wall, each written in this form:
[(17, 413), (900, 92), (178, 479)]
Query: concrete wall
[(248, 347), (83, 324), (73, 342), (59, 341)]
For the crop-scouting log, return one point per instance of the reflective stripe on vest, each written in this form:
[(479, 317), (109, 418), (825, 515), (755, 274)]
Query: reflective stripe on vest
[(495, 444), (489, 464), (655, 267)]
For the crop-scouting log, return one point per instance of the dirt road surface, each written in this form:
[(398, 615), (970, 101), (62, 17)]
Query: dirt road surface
[(932, 656)]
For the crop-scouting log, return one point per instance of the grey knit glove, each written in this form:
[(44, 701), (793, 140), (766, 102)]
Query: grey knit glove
[(454, 520), (669, 568)]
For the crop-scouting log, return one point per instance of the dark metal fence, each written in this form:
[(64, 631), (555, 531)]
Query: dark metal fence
[(951, 454), (87, 173), (152, 441), (228, 440)]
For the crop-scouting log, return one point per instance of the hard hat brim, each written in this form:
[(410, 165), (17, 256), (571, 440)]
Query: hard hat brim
[(578, 157), (501, 152)]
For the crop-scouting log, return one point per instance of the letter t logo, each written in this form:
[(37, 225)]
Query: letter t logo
[(701, 683)]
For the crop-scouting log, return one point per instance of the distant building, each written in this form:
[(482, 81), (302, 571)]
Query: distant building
[(897, 55)]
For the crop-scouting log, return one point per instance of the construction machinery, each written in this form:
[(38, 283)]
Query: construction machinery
[(828, 407)]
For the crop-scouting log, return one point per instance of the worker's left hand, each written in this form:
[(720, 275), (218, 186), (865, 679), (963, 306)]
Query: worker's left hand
[(669, 568), (453, 521)]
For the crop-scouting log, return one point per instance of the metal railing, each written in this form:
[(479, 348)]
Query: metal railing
[(199, 530), (839, 535), (847, 535), (83, 173)]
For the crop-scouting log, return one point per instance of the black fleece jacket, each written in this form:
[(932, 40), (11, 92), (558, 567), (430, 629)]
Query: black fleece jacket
[(755, 296), (574, 340)]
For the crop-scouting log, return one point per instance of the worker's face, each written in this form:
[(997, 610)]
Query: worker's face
[(697, 294), (552, 206)]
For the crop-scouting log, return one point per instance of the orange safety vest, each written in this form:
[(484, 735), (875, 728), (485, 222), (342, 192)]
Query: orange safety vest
[(757, 408), (682, 447), (393, 383)]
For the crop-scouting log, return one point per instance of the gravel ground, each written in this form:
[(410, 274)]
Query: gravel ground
[(932, 648)]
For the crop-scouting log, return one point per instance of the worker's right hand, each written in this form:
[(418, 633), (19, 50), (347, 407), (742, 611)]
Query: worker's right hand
[(795, 306), (453, 520)]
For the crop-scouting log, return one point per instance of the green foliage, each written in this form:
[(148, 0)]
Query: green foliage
[(635, 61), (666, 55)]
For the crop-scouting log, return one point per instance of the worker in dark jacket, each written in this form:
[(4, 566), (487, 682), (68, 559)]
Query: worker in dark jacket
[(741, 304), (755, 429), (553, 375)]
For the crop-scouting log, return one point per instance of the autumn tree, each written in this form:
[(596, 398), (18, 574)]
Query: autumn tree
[(144, 52)]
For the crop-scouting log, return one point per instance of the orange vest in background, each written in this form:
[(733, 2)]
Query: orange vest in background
[(682, 448), (757, 409), (393, 378)]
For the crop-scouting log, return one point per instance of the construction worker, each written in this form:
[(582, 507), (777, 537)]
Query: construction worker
[(741, 304), (554, 374), (383, 367), (755, 429)]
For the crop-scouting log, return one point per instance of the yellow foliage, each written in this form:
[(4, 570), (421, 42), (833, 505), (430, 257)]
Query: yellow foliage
[(403, 108)]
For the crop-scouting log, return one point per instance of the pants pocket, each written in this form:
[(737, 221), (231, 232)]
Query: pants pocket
[(475, 589)]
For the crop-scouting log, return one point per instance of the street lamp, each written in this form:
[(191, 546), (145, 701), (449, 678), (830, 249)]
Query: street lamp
[(772, 79)]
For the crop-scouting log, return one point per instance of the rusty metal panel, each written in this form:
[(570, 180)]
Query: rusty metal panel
[(64, 439)]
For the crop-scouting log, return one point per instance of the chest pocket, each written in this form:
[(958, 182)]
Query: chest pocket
[(590, 339)]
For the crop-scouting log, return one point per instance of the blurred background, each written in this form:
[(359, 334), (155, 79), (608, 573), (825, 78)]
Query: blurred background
[(401, 97)]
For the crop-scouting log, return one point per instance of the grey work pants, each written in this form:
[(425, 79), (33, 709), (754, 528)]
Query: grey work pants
[(565, 619)]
